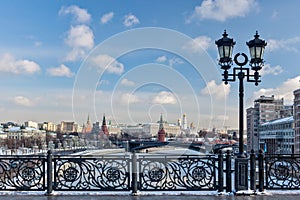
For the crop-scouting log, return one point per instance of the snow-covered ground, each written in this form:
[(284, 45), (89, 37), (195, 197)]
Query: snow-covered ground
[(153, 193), (101, 152)]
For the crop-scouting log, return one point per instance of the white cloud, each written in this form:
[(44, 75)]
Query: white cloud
[(267, 69), (216, 91), (81, 39), (9, 64), (174, 61), (164, 97), (285, 90), (128, 98), (22, 101), (80, 36), (108, 63), (127, 82), (161, 59), (130, 20), (80, 15), (287, 44), (221, 10), (106, 17), (198, 44), (63, 70)]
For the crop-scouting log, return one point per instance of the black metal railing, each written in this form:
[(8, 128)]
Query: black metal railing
[(282, 171), (176, 172), (23, 173), (145, 172), (104, 173)]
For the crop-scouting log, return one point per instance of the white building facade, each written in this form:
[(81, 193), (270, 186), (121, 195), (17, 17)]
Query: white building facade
[(277, 136), (151, 130)]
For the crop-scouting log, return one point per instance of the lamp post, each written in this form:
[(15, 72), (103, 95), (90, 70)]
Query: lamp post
[(256, 47), (225, 47)]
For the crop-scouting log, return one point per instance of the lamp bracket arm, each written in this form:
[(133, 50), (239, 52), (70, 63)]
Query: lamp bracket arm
[(231, 77)]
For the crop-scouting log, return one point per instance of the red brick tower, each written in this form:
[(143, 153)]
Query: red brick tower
[(104, 130), (161, 135)]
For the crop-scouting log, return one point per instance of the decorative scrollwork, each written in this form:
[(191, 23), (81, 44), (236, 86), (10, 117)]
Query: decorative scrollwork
[(177, 174), (28, 174), (156, 174), (91, 173), (70, 174), (113, 174), (198, 173), (19, 173), (283, 173)]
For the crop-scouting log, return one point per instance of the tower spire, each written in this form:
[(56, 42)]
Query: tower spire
[(103, 120), (161, 122), (87, 128), (104, 129), (88, 119), (161, 135)]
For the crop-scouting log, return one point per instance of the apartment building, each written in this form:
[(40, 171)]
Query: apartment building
[(265, 109), (297, 120)]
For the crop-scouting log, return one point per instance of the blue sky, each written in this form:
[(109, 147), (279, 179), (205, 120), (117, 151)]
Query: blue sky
[(57, 59)]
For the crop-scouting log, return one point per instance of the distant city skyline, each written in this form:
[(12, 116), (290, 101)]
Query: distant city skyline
[(65, 60)]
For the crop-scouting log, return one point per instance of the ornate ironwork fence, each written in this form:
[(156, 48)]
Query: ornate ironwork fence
[(282, 171), (23, 173), (158, 172), (100, 173), (144, 172)]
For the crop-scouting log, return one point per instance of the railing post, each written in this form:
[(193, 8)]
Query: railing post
[(261, 170), (252, 171), (220, 172), (228, 172), (134, 174), (49, 172)]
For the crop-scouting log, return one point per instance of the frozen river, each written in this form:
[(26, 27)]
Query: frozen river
[(157, 151)]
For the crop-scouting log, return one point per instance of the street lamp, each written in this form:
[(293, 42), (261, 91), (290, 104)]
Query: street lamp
[(225, 47)]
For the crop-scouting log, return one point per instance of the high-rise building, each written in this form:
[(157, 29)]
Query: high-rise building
[(297, 120), (252, 129), (287, 111), (269, 108), (265, 109)]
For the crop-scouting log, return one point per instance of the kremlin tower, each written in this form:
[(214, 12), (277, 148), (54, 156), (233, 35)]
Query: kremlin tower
[(104, 130), (161, 135), (88, 127)]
